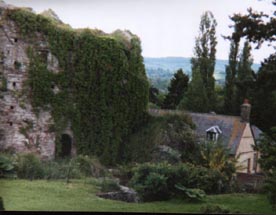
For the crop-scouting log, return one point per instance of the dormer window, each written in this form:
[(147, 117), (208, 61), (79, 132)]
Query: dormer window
[(213, 133)]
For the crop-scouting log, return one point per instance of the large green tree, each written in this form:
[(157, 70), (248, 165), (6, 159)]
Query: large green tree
[(176, 90), (231, 71), (239, 79), (259, 27), (196, 97), (205, 55), (267, 148), (245, 76), (264, 97)]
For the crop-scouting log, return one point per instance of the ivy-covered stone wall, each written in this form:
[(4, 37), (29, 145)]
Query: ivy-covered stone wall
[(101, 88)]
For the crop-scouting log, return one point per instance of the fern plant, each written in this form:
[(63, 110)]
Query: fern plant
[(191, 194)]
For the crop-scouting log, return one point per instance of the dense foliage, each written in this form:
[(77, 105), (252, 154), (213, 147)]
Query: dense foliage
[(7, 166), (103, 89), (239, 79), (157, 181), (205, 56), (259, 27), (230, 78), (196, 97), (29, 166), (174, 131), (264, 97), (267, 147), (176, 90)]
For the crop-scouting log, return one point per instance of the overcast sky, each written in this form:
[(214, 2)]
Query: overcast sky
[(165, 27)]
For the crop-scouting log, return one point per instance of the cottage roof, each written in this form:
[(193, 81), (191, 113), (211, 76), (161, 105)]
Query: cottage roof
[(256, 132), (231, 128)]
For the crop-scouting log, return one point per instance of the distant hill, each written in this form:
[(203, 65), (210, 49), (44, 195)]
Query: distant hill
[(161, 70)]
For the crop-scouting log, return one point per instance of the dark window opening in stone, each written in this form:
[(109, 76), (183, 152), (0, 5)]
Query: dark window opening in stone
[(17, 65), (2, 134), (14, 84), (66, 145), (10, 123), (15, 40), (12, 107)]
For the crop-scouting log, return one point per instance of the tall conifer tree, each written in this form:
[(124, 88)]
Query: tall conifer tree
[(205, 51), (231, 71), (196, 97), (245, 76), (176, 90)]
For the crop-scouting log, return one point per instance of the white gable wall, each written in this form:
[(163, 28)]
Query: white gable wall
[(245, 152)]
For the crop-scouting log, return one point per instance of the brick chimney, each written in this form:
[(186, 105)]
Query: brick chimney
[(245, 111)]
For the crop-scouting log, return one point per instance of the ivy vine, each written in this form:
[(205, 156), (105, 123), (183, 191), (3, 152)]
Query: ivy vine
[(103, 89)]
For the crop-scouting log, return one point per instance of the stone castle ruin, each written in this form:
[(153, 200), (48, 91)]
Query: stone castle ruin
[(21, 128)]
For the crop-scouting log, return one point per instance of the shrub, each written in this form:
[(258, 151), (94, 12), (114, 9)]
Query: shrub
[(150, 181), (155, 188), (29, 167), (55, 169), (192, 194), (109, 185), (157, 181), (7, 168), (89, 166), (78, 167)]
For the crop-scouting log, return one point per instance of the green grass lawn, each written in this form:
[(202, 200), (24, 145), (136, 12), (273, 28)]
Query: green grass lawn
[(79, 195)]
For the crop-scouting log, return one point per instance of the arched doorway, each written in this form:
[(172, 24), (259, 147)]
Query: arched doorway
[(66, 145)]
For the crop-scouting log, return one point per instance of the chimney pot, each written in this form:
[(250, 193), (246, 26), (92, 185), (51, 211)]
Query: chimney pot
[(245, 111)]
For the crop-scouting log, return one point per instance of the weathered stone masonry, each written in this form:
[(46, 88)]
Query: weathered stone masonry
[(20, 129)]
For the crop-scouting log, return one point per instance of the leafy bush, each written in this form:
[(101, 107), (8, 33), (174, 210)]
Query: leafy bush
[(90, 166), (154, 188), (29, 167), (172, 130), (157, 181), (62, 169), (109, 185), (7, 168), (192, 194), (78, 167)]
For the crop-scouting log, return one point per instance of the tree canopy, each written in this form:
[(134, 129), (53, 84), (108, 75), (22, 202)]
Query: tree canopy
[(178, 86), (205, 55)]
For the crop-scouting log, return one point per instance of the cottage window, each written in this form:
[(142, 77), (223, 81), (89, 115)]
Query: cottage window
[(211, 136), (10, 123), (14, 84), (15, 40), (213, 133), (11, 107)]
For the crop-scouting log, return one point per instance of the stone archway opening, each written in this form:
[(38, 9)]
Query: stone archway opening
[(66, 145)]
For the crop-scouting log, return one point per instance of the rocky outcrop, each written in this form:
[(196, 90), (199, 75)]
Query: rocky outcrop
[(125, 194)]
